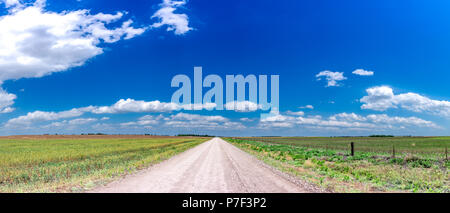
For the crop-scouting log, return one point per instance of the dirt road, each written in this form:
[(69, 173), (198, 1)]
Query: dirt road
[(214, 166)]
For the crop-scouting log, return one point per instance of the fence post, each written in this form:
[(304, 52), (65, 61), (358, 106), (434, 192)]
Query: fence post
[(393, 151), (352, 145)]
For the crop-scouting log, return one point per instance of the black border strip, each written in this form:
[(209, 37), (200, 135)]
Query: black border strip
[(328, 201)]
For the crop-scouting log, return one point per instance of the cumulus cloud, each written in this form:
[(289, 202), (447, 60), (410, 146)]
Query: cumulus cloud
[(38, 116), (381, 98), (122, 106), (69, 124), (378, 98), (131, 105), (385, 119), (363, 72), (207, 106), (35, 42), (6, 101), (246, 119), (349, 121), (196, 117), (347, 117), (276, 116), (145, 121), (80, 121), (185, 120), (299, 113), (11, 3), (242, 106), (307, 107), (177, 22), (332, 78)]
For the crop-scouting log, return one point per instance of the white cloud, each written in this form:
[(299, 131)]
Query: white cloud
[(69, 124), (299, 113), (347, 117), (307, 107), (11, 3), (35, 42), (185, 120), (246, 119), (363, 72), (207, 106), (331, 77), (385, 119), (145, 121), (195, 117), (177, 22), (122, 106), (344, 121), (80, 121), (378, 98), (38, 116), (382, 98), (131, 105), (276, 116), (6, 101), (242, 106), (103, 127)]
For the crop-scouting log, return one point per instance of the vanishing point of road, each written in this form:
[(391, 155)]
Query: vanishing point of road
[(213, 166)]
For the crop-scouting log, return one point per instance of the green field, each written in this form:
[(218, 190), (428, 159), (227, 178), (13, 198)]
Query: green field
[(40, 164), (419, 164)]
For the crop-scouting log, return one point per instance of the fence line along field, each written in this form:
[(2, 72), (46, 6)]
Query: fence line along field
[(379, 164), (435, 146), (75, 163)]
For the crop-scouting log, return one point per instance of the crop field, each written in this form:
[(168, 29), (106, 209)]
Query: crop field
[(76, 163), (419, 163)]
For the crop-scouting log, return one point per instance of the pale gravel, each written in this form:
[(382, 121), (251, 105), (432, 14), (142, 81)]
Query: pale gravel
[(214, 166)]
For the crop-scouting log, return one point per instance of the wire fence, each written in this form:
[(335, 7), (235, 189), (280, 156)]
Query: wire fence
[(396, 147)]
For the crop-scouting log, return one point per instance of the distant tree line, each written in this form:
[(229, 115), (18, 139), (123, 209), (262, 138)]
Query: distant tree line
[(380, 136), (194, 135), (93, 134)]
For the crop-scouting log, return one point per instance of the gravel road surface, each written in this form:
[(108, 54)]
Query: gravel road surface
[(213, 166)]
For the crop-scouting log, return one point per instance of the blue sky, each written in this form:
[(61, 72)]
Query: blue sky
[(100, 66)]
